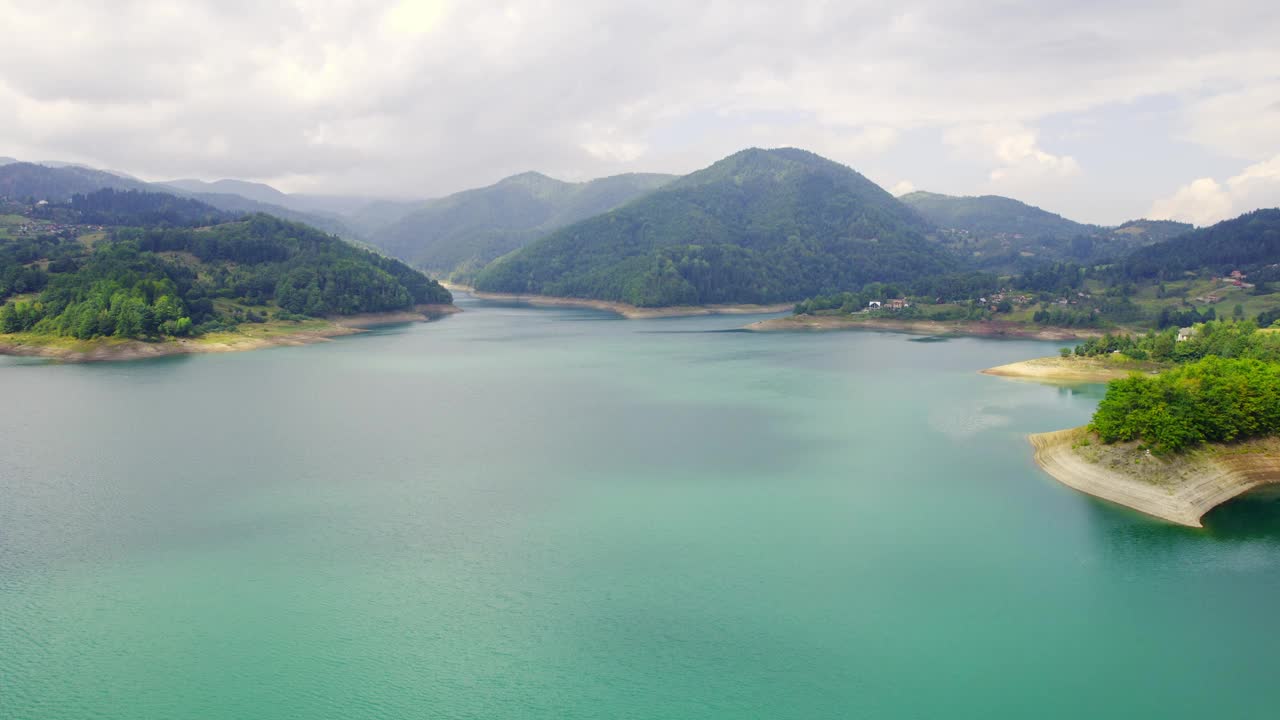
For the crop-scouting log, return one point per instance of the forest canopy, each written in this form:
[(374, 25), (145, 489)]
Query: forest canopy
[(147, 282), (759, 226), (1211, 400)]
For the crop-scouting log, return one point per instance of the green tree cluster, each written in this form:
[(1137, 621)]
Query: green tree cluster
[(148, 282), (1211, 400), (1223, 338)]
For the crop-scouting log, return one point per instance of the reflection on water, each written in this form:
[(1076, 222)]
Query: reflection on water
[(1248, 517)]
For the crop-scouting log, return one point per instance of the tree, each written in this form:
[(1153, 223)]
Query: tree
[(9, 319)]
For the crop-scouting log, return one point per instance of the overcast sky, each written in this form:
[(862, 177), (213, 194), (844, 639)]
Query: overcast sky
[(1102, 111)]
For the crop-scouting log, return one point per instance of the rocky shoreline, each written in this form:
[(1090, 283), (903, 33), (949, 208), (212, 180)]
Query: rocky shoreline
[(1179, 489), (993, 328), (631, 312)]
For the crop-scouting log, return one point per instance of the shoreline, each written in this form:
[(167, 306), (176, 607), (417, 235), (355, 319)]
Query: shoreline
[(1180, 490), (968, 328), (1073, 369), (249, 336), (630, 312)]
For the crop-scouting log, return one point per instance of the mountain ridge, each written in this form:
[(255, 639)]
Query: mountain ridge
[(759, 226), (458, 234)]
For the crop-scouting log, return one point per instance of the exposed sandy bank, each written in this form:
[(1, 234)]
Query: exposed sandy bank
[(993, 328), (1179, 489), (625, 310), (247, 337), (1072, 369)]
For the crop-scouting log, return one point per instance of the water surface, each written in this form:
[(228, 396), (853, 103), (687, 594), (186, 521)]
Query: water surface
[(519, 513)]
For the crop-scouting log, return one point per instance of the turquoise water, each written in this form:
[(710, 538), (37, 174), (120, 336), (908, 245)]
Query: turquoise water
[(518, 513)]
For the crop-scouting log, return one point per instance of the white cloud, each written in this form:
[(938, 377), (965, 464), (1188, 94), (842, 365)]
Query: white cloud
[(1014, 151), (430, 96), (902, 187), (1244, 123), (1206, 201), (1200, 202)]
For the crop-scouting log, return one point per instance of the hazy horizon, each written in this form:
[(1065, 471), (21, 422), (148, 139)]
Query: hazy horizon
[(1099, 112)]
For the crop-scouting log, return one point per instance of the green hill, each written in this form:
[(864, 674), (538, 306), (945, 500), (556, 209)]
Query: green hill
[(759, 226), (1002, 234), (992, 215), (22, 181), (160, 270), (459, 234), (1153, 231), (1249, 243)]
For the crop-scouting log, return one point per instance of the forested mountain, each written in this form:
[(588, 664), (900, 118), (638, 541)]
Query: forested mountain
[(370, 219), (21, 180), (160, 271), (1003, 234), (1249, 243), (132, 207), (259, 192), (334, 208), (459, 234), (758, 226), (7, 161), (241, 205), (992, 215)]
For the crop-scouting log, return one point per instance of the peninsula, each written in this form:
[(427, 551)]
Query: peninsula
[(1176, 445), (1179, 489), (127, 275)]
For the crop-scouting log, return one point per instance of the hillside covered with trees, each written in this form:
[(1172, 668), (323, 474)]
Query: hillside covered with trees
[(1002, 234), (759, 226), (31, 182), (1249, 243), (160, 270), (992, 215), (457, 235)]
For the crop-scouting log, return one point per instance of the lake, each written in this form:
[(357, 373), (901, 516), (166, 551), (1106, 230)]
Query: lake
[(522, 513)]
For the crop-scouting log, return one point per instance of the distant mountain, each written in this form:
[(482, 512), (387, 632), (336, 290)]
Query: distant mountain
[(258, 192), (373, 211), (758, 226), (371, 218), (7, 161), (24, 180), (58, 184), (242, 205), (1249, 243), (991, 215), (133, 208), (459, 234), (1003, 234)]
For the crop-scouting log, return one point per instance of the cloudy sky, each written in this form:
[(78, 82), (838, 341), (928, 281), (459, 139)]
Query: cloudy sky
[(1102, 111)]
